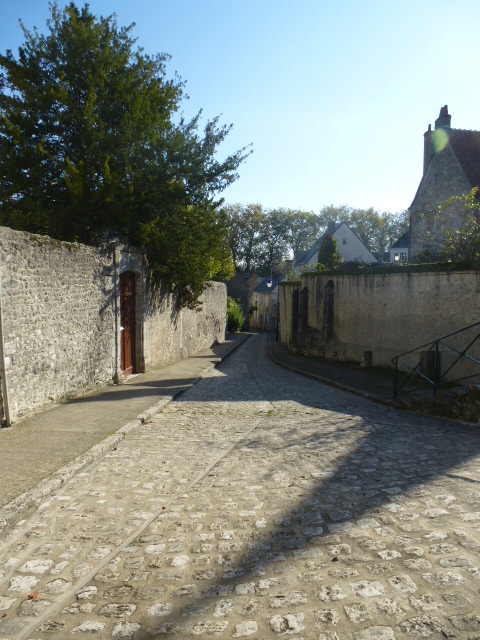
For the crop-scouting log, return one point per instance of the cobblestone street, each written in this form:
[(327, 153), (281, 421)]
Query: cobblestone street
[(259, 504)]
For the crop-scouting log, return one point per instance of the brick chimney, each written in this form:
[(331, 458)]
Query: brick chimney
[(444, 119), (331, 227)]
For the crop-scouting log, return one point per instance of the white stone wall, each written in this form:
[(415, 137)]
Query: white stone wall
[(385, 313), (60, 319)]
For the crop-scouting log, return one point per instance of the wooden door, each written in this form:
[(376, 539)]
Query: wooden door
[(127, 322)]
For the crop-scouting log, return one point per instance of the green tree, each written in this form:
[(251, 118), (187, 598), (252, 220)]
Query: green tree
[(274, 239), (303, 230), (328, 257), (245, 227), (235, 316), (89, 144)]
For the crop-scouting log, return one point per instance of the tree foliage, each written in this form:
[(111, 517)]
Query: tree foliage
[(328, 257), (90, 142), (235, 316), (459, 219), (261, 238)]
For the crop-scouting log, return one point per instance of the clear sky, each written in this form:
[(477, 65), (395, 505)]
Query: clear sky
[(333, 95)]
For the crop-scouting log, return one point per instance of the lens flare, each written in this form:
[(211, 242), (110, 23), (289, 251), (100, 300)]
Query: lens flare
[(440, 140)]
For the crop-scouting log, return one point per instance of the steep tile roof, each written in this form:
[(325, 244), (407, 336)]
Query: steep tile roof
[(403, 241), (465, 146), (263, 286)]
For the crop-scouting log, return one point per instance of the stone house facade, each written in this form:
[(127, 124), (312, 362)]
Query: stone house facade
[(451, 167)]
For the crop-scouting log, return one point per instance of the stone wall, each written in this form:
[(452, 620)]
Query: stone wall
[(171, 335), (57, 319), (60, 326), (343, 316)]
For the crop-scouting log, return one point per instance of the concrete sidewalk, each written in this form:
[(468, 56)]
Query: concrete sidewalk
[(374, 383), (42, 451)]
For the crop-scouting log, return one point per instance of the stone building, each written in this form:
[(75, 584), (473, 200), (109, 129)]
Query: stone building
[(398, 252), (264, 304), (451, 167)]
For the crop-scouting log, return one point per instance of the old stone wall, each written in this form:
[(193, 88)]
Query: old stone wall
[(344, 316), (57, 319), (60, 319), (171, 335)]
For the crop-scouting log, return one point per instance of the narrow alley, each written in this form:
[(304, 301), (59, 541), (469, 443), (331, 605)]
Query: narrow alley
[(258, 504)]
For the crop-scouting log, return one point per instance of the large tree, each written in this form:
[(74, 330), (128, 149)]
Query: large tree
[(89, 143), (245, 229), (274, 238), (303, 230)]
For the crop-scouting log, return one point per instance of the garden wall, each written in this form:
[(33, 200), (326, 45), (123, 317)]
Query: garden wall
[(60, 320), (384, 314)]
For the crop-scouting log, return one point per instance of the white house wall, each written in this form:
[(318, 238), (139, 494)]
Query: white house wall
[(350, 247)]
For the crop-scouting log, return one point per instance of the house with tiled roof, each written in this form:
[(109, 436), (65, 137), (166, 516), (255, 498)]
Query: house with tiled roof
[(349, 246), (399, 249), (451, 167)]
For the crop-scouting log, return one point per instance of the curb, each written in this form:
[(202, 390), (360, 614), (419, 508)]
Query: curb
[(332, 383), (10, 512), (365, 394)]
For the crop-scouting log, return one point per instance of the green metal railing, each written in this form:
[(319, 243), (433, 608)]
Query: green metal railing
[(437, 377)]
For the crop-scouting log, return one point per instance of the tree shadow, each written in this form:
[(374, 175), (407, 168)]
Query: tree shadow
[(384, 457)]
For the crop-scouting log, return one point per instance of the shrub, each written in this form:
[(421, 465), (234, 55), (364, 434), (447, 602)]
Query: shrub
[(235, 316)]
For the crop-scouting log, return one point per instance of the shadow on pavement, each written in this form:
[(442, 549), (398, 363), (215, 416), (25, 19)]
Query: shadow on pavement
[(391, 454)]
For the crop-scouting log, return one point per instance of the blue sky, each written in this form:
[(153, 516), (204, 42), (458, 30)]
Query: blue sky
[(333, 95)]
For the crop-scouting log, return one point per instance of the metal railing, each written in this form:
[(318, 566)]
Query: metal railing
[(430, 359)]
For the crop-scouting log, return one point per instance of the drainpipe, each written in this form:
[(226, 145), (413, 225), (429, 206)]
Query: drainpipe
[(3, 373)]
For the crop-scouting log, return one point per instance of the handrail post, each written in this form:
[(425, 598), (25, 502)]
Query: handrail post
[(435, 365), (438, 378), (395, 380)]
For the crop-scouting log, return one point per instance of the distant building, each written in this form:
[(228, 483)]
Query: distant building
[(451, 167), (399, 249), (264, 304), (240, 288), (350, 248)]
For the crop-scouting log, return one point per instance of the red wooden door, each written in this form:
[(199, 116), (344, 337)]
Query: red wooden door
[(127, 322)]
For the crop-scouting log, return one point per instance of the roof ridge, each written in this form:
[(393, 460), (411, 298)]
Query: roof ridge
[(466, 130)]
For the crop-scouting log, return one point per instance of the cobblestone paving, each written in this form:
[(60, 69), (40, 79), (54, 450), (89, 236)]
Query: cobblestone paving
[(264, 505)]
